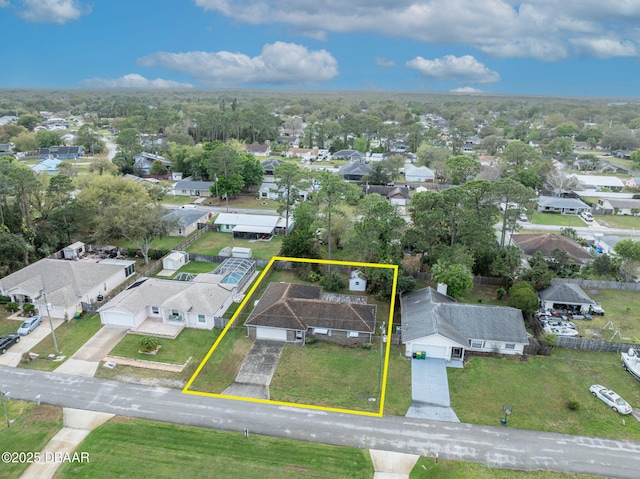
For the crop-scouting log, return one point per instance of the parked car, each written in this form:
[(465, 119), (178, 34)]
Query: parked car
[(588, 217), (29, 325), (610, 398), (523, 217), (597, 309), (7, 341)]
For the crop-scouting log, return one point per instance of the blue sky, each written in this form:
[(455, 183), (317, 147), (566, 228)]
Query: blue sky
[(539, 47)]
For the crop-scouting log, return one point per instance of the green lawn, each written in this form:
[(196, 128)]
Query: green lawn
[(178, 200), (398, 392), (445, 469), (539, 389), (7, 326), (249, 200), (619, 221), (196, 267), (537, 218), (164, 243), (621, 309), (32, 428), (212, 242), (137, 448), (71, 335), (190, 342)]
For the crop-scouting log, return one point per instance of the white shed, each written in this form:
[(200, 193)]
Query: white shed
[(357, 281), (175, 260), (238, 252), (74, 251)]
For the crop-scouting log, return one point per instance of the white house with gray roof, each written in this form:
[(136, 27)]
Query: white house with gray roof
[(566, 206), (66, 284), (445, 329), (189, 187), (186, 220), (192, 304), (251, 226)]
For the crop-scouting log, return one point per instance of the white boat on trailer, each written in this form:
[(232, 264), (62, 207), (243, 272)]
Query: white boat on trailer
[(631, 362)]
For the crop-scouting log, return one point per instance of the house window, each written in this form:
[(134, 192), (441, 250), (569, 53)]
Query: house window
[(352, 334), (179, 231), (320, 331), (175, 312), (474, 343), (201, 318), (155, 310), (510, 346), (357, 283), (298, 334)]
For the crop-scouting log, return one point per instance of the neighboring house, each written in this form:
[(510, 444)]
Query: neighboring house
[(396, 195), (595, 182), (357, 281), (61, 152), (565, 296), (144, 161), (617, 206), (547, 243), (270, 165), (624, 154), (187, 220), (6, 149), (251, 226), (269, 191), (443, 328), (398, 146), (66, 284), (258, 150), (566, 206), (349, 155), (291, 312), (5, 120), (188, 187), (418, 174), (193, 304), (354, 171), (292, 141), (48, 166), (630, 183), (307, 154)]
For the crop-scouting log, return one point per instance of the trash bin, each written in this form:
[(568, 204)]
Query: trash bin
[(78, 314), (423, 355), (503, 421)]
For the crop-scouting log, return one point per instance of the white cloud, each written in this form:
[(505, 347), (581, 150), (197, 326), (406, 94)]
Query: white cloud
[(4, 3), (543, 29), (278, 64), (464, 69), (50, 11), (465, 89), (132, 80), (384, 62)]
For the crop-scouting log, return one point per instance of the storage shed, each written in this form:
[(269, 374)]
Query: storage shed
[(175, 260), (238, 252)]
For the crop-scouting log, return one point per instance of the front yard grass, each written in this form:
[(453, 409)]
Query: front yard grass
[(32, 428), (538, 218), (126, 447), (212, 242), (540, 387), (619, 221), (71, 335), (621, 314)]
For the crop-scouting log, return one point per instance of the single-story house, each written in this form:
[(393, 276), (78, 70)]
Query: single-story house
[(632, 183), (48, 166), (258, 150), (66, 284), (188, 187), (418, 174), (565, 296), (436, 324), (624, 154), (292, 141), (61, 152), (308, 154), (546, 243), (194, 304), (251, 226), (269, 191), (175, 260), (144, 161), (595, 182), (270, 165), (349, 155), (566, 206), (290, 312), (354, 171), (187, 220), (396, 195), (617, 206)]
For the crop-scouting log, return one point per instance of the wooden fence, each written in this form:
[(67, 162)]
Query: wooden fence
[(596, 284), (594, 345)]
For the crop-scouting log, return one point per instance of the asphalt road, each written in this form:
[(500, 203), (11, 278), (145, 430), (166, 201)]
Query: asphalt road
[(493, 446)]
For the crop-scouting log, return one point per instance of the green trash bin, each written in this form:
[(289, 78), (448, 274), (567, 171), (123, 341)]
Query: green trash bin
[(423, 355), (78, 314)]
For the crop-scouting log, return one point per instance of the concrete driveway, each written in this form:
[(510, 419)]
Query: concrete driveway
[(85, 361), (13, 355), (256, 371), (430, 391)]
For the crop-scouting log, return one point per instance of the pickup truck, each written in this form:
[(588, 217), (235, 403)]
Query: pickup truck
[(597, 309)]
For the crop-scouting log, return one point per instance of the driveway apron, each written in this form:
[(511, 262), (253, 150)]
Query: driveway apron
[(256, 371)]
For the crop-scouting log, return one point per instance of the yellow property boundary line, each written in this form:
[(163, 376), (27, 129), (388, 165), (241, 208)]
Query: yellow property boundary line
[(385, 369)]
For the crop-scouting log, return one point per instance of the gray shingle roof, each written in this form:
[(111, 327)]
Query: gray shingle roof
[(566, 293), (558, 202), (426, 312)]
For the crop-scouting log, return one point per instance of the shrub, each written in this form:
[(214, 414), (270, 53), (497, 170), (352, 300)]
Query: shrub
[(5, 299), (12, 306), (148, 344), (332, 282), (28, 309), (366, 345), (500, 292), (310, 340), (573, 404)]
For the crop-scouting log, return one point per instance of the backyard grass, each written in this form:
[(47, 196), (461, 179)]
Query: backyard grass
[(619, 221), (443, 469), (482, 294), (196, 267), (249, 200), (138, 448), (540, 387), (164, 243), (212, 242), (71, 335), (538, 218), (326, 374), (31, 429), (622, 314), (190, 343)]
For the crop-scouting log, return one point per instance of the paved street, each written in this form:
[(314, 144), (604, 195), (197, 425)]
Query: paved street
[(494, 446)]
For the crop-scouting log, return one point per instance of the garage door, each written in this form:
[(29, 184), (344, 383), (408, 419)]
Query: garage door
[(432, 351), (117, 319), (271, 333)]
